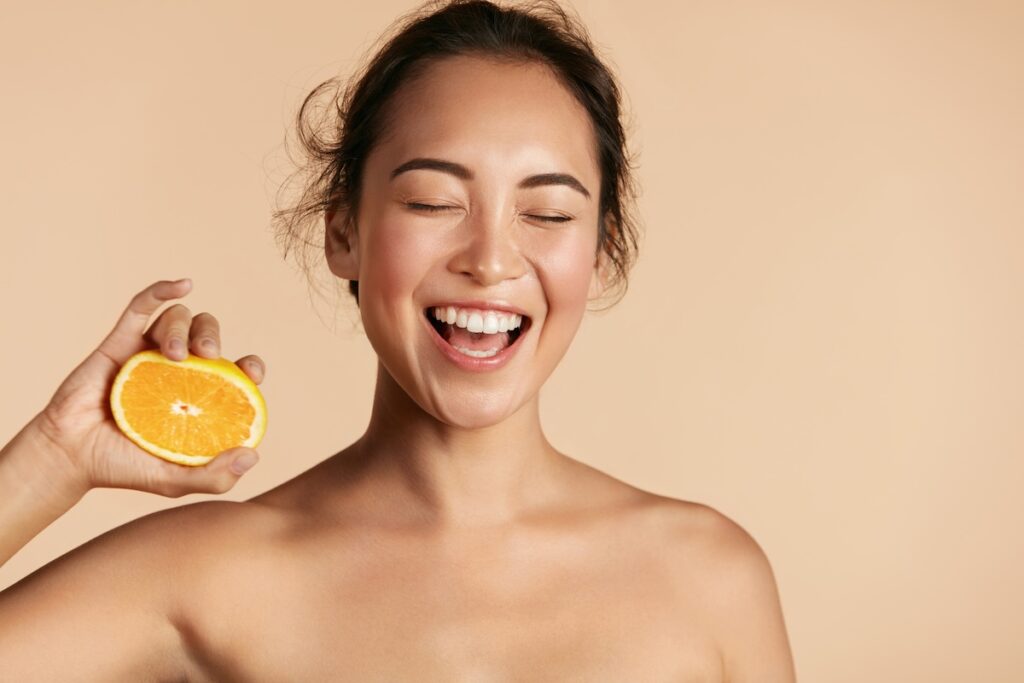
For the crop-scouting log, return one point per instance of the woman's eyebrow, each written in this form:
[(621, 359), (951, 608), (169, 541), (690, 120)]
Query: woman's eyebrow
[(460, 171)]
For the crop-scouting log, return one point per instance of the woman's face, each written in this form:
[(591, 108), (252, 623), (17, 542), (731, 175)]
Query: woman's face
[(489, 248)]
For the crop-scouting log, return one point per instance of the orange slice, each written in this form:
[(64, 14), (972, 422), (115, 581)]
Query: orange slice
[(187, 411)]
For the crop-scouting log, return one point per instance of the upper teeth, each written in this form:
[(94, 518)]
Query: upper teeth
[(476, 320)]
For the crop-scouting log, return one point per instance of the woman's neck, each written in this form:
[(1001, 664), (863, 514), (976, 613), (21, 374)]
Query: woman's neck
[(457, 477)]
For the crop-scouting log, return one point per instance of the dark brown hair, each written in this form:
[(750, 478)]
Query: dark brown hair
[(336, 137)]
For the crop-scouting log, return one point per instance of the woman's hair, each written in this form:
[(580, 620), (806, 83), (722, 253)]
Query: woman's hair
[(336, 137)]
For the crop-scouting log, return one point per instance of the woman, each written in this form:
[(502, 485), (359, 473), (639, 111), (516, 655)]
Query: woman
[(475, 200)]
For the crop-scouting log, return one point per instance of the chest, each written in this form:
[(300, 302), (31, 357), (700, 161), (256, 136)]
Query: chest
[(489, 616)]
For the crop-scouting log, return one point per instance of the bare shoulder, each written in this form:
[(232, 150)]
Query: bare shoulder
[(168, 552), (147, 550), (707, 546), (212, 534), (712, 536), (113, 600), (194, 532), (221, 522), (731, 578)]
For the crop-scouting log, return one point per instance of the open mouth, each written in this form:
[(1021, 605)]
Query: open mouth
[(478, 344)]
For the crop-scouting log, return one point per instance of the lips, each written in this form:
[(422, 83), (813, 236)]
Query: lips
[(444, 330), (471, 363)]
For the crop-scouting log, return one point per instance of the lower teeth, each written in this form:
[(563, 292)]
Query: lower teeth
[(476, 354)]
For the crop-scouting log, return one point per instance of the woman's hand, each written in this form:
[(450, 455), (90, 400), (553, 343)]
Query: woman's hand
[(78, 422)]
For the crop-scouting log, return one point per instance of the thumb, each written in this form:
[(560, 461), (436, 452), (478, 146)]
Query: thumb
[(243, 460)]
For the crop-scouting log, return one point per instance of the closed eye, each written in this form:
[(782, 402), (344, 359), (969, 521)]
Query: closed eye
[(430, 208)]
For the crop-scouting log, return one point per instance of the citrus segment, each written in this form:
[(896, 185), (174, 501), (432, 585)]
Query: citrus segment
[(187, 411)]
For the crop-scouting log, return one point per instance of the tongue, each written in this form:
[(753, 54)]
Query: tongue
[(477, 341)]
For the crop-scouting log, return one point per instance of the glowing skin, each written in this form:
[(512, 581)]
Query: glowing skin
[(469, 440)]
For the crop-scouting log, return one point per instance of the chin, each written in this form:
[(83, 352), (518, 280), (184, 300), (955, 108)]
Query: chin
[(472, 411)]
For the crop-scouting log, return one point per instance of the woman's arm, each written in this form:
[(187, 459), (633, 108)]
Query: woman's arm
[(36, 487), (101, 612), (108, 609), (747, 610), (97, 613)]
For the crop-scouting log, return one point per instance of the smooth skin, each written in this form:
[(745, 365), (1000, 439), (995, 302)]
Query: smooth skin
[(452, 541)]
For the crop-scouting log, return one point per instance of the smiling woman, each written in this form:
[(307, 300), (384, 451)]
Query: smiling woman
[(364, 112), (473, 187)]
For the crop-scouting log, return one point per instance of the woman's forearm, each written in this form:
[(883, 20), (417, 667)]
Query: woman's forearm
[(35, 488)]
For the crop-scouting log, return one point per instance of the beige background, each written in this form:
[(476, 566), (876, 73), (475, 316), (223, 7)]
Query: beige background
[(822, 338)]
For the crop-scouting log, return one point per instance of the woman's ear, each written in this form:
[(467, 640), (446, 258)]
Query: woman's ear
[(341, 245)]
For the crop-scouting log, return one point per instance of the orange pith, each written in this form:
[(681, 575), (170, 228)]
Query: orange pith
[(187, 411)]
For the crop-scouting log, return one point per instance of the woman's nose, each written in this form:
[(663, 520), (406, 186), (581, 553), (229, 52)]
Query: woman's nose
[(491, 253)]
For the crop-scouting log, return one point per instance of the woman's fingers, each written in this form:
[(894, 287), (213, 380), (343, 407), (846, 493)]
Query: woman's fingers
[(253, 366), (176, 332), (177, 324), (204, 336), (170, 332), (217, 476), (126, 339)]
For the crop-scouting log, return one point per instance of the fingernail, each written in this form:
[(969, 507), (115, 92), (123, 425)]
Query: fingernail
[(209, 345), (176, 345), (243, 463)]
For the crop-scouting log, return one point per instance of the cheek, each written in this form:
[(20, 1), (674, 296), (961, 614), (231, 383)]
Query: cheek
[(567, 267), (394, 261)]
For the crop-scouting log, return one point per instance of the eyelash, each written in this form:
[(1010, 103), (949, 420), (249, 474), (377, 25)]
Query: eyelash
[(432, 208)]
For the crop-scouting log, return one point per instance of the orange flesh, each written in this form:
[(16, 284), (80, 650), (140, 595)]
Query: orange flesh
[(158, 400)]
